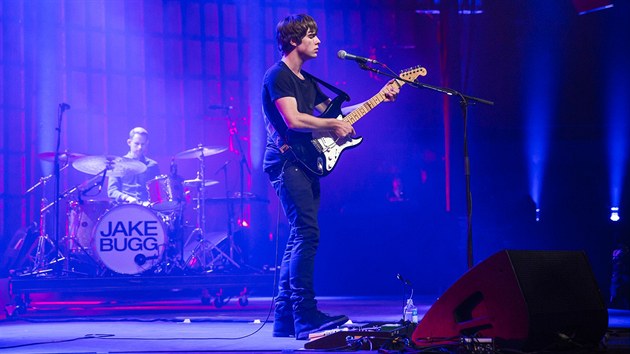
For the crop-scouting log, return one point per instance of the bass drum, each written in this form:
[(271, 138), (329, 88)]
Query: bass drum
[(130, 239)]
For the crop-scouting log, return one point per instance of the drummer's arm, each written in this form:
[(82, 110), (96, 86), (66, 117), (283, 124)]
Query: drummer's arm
[(114, 191)]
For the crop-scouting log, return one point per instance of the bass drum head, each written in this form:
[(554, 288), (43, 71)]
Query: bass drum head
[(129, 239)]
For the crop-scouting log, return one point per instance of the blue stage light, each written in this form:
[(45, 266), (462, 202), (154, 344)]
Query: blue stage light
[(614, 214), (587, 6)]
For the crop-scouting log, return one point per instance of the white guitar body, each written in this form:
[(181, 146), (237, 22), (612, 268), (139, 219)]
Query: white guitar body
[(331, 149)]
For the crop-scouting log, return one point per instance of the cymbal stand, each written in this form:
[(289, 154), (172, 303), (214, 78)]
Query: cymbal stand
[(43, 242), (174, 258), (203, 245)]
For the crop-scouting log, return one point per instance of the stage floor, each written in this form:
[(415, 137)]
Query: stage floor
[(170, 322)]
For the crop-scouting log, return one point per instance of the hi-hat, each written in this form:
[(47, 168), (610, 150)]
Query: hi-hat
[(63, 156), (197, 182), (116, 166), (200, 151)]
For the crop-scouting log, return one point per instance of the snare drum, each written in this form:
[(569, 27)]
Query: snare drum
[(129, 239), (82, 216), (165, 193)]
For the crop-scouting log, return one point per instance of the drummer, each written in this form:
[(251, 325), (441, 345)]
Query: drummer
[(131, 189)]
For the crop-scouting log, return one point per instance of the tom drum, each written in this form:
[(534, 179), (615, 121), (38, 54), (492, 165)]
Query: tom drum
[(165, 193), (82, 216)]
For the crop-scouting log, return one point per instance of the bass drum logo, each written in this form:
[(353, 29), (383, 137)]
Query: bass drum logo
[(130, 239)]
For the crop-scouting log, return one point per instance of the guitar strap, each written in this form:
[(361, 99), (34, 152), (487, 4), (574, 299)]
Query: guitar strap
[(285, 147), (332, 88)]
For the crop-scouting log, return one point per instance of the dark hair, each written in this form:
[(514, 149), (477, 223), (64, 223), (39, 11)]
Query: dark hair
[(293, 28)]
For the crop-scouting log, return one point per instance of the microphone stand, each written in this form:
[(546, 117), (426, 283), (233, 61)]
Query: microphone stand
[(242, 162), (465, 100), (56, 171)]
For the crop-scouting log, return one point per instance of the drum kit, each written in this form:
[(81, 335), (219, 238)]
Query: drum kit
[(130, 239)]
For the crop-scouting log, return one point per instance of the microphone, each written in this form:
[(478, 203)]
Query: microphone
[(64, 106), (403, 280), (342, 54)]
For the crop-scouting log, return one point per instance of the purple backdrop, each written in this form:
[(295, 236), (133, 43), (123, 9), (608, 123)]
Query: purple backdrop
[(190, 72)]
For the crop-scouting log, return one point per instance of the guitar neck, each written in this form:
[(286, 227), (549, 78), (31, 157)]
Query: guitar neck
[(409, 75), (367, 106)]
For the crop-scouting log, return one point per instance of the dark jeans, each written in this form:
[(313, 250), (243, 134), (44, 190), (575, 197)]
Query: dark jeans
[(299, 193)]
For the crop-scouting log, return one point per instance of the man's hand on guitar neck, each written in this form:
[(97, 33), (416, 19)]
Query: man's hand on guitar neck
[(343, 131), (391, 90)]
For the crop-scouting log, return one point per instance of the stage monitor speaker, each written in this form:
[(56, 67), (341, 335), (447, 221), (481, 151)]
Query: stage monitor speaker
[(525, 300)]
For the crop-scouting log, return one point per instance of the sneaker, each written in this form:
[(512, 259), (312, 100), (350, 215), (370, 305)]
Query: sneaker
[(316, 321), (283, 320), (283, 328)]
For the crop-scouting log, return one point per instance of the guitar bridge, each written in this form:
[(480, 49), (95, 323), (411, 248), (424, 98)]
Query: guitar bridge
[(317, 145)]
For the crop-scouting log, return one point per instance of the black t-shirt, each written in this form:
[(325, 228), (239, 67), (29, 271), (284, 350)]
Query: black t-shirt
[(279, 81)]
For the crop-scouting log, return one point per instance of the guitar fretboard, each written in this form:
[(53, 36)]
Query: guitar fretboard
[(367, 106), (410, 74)]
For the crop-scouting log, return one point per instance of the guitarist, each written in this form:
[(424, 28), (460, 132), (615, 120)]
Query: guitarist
[(289, 99)]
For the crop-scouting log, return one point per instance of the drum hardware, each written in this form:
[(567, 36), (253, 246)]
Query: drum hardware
[(43, 247), (196, 182), (203, 255), (167, 199), (203, 247), (173, 259)]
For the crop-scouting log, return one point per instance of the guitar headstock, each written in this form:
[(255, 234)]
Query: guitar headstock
[(412, 73)]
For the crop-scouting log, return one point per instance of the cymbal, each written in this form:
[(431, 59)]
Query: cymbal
[(200, 151), (63, 156), (197, 182), (116, 166)]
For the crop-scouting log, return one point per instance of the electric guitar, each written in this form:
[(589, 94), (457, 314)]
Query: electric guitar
[(320, 152)]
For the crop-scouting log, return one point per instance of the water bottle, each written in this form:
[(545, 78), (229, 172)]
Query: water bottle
[(410, 312)]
